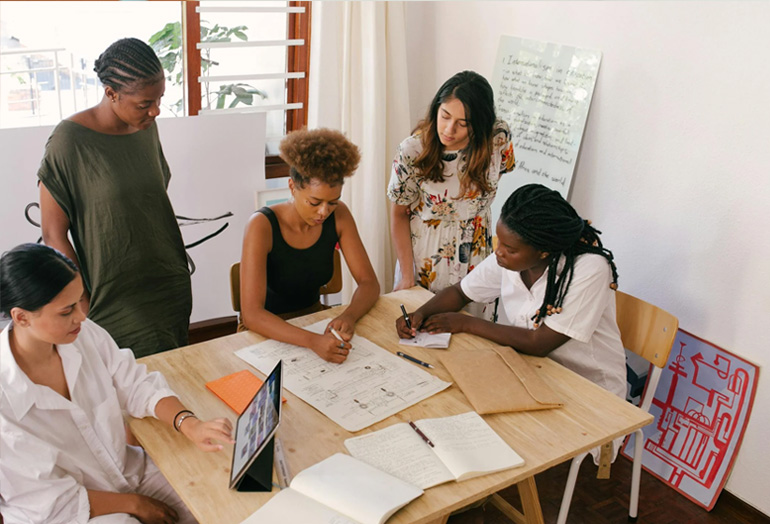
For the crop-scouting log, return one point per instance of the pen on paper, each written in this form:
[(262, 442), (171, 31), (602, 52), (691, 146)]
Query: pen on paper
[(406, 317), (415, 360), (422, 435), (337, 336)]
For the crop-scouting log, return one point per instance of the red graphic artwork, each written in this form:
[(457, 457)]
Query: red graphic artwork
[(701, 407)]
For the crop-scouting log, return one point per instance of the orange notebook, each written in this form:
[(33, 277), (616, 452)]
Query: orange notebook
[(236, 389)]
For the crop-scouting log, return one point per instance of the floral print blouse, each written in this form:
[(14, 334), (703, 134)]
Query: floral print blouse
[(450, 235)]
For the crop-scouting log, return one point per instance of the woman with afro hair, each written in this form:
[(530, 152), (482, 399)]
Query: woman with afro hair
[(288, 248)]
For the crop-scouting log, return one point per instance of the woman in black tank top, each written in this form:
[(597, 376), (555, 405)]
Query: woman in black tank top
[(288, 248)]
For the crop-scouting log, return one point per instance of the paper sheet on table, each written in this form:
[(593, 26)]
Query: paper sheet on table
[(427, 340), (371, 385)]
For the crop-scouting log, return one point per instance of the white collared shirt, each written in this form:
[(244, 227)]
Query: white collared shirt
[(588, 315), (54, 449)]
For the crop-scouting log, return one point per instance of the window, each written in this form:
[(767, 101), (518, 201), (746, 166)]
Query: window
[(251, 56), (220, 56), (47, 53)]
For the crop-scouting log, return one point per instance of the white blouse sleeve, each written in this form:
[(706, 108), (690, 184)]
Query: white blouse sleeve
[(587, 298), (138, 390), (484, 282), (34, 489)]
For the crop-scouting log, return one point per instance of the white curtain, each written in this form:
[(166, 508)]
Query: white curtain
[(358, 85)]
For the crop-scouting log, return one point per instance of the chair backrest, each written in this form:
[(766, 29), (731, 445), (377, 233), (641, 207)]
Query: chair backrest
[(649, 332), (333, 286), (645, 329)]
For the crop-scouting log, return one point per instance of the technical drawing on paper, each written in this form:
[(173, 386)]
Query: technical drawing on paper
[(371, 385), (701, 408)]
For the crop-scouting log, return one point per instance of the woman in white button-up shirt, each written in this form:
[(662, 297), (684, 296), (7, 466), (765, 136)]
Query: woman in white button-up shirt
[(63, 384), (555, 282)]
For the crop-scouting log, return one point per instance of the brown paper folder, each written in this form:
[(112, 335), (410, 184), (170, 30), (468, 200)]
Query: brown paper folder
[(499, 380)]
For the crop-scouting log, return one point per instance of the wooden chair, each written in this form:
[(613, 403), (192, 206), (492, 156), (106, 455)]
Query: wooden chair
[(649, 332), (332, 286)]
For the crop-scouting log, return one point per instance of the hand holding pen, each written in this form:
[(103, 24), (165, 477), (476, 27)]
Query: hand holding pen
[(407, 325)]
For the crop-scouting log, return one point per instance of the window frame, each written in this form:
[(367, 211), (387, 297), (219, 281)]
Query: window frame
[(298, 58)]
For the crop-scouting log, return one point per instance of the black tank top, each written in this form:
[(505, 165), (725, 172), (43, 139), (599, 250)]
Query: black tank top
[(294, 276)]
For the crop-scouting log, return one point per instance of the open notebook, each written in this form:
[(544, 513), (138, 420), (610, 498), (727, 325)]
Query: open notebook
[(465, 446), (337, 490)]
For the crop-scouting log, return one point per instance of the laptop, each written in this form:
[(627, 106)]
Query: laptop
[(254, 433)]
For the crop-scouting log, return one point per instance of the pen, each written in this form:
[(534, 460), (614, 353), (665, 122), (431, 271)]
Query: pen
[(337, 336), (281, 468), (406, 317), (422, 435), (415, 360)]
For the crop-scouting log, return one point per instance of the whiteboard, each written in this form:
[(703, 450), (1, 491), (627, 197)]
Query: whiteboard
[(217, 165), (543, 91)]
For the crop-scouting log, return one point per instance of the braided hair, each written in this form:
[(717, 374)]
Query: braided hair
[(547, 222), (128, 63)]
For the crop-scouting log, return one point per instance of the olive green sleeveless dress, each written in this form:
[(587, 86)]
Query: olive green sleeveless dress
[(129, 247)]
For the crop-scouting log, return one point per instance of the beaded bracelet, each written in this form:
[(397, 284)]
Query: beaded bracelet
[(176, 427)]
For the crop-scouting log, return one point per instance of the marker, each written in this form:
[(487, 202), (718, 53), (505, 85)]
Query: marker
[(337, 336), (406, 317), (415, 360), (422, 435)]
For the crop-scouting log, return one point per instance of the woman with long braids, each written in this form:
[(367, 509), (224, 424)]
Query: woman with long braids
[(555, 281), (443, 182), (103, 179)]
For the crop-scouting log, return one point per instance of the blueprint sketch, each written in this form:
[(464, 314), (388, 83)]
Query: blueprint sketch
[(371, 385)]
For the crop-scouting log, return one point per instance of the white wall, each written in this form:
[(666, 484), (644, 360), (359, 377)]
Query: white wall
[(674, 164), (200, 187)]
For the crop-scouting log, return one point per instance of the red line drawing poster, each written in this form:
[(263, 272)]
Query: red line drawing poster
[(701, 409)]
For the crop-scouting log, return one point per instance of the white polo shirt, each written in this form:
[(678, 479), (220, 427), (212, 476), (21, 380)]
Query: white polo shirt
[(588, 315), (53, 449)]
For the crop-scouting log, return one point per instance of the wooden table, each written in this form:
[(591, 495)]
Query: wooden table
[(590, 416)]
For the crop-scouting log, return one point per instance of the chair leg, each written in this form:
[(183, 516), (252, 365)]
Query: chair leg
[(570, 488), (636, 474)]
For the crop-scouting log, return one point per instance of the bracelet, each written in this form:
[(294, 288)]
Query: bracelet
[(182, 418), (176, 427)]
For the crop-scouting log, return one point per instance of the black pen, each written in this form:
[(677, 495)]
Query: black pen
[(406, 317), (422, 435), (416, 361)]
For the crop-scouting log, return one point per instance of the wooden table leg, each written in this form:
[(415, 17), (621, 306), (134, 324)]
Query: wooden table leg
[(440, 520), (530, 503)]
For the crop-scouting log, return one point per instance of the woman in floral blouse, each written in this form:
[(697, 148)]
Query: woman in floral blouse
[(442, 185)]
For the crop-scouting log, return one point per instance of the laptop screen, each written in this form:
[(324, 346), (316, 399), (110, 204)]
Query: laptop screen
[(257, 424)]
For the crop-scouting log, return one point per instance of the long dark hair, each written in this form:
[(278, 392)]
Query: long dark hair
[(547, 222), (127, 64), (477, 98), (31, 275)]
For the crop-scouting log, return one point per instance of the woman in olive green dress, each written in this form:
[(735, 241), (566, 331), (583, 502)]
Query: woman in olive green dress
[(103, 180)]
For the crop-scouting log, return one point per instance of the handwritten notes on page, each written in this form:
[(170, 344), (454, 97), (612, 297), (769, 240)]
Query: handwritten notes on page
[(544, 91), (371, 385), (465, 446)]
